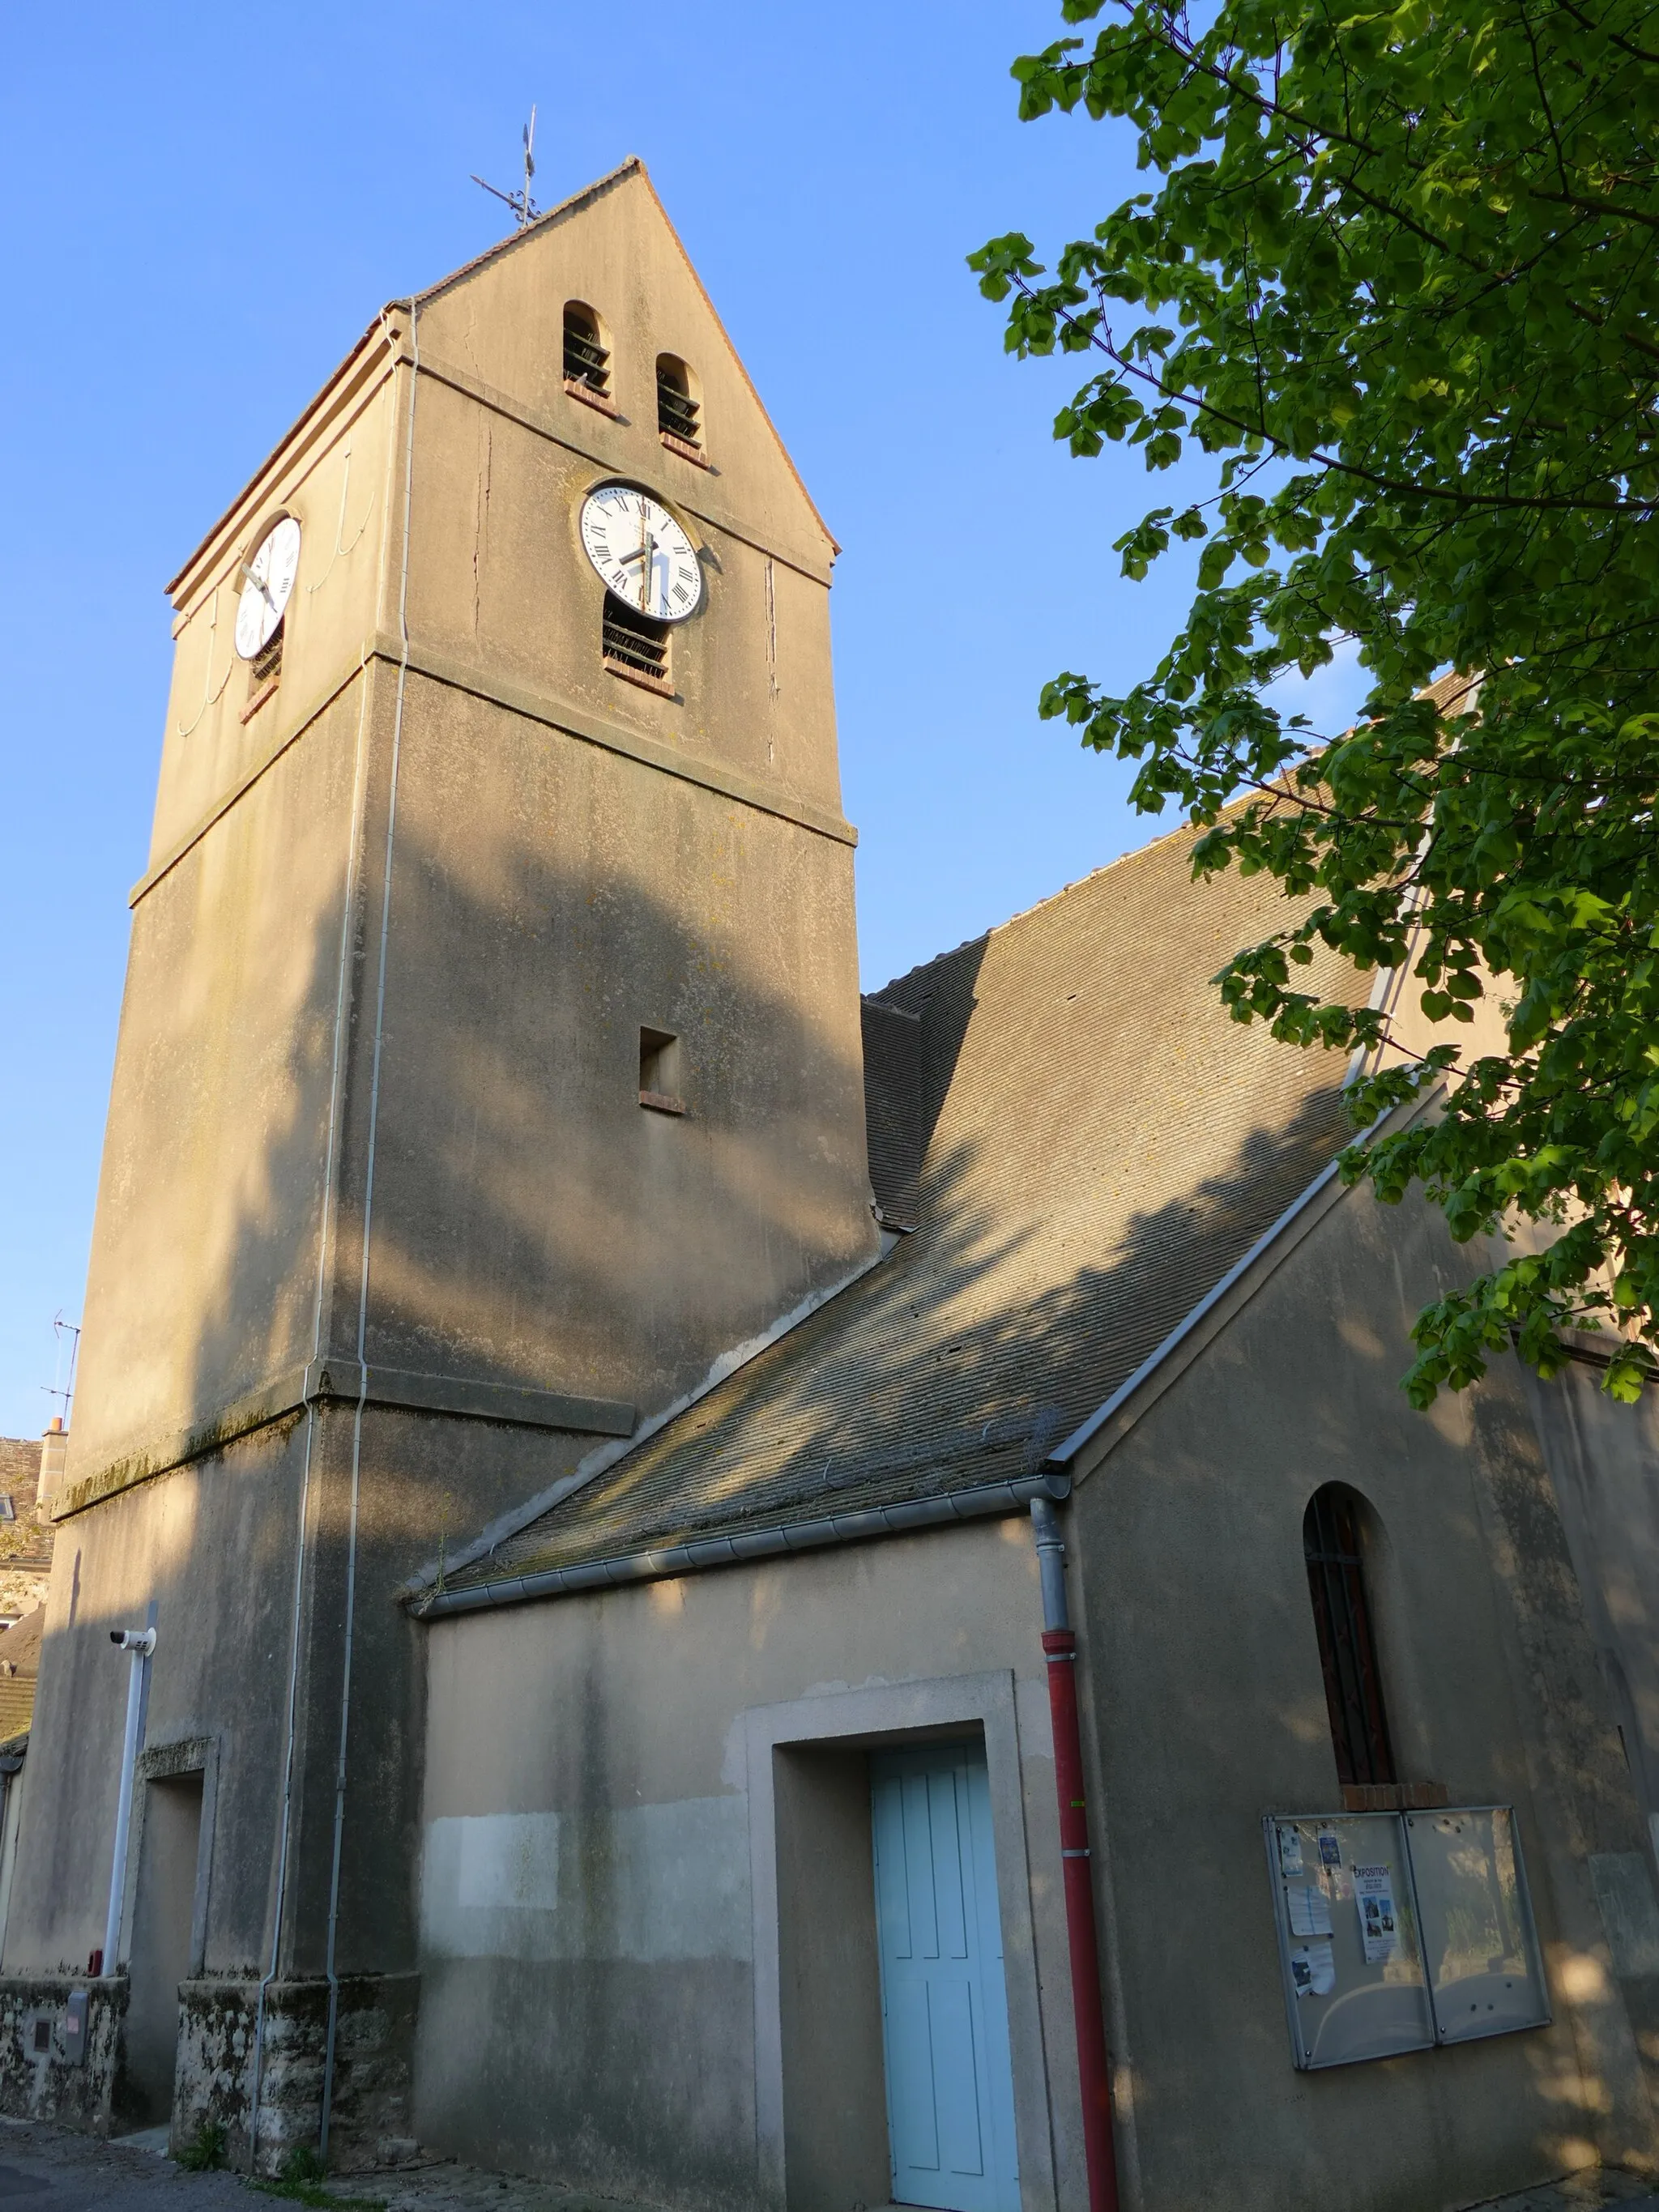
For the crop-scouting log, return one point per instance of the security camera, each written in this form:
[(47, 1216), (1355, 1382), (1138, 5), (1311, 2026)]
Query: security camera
[(133, 1639)]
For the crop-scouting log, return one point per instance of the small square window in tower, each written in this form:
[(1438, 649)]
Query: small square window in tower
[(587, 356), (659, 1071), (634, 645), (679, 406)]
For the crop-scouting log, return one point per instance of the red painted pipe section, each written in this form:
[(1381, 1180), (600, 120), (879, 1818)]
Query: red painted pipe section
[(1100, 2154)]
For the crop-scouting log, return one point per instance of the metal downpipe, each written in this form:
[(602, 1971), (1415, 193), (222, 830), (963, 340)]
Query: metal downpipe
[(1094, 2077), (139, 1642), (330, 1962)]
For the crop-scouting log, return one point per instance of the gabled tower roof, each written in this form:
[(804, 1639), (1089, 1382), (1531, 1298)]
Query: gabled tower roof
[(578, 203), (357, 365)]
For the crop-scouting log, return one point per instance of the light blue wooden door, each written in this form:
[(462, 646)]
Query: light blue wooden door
[(945, 2012)]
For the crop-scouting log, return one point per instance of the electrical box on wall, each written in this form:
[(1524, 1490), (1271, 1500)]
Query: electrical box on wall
[(74, 2029), (1400, 1931)]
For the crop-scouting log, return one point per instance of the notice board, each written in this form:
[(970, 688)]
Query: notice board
[(1479, 1941), (1398, 1932)]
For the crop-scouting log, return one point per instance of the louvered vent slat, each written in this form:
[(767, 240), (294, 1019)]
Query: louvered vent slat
[(634, 640)]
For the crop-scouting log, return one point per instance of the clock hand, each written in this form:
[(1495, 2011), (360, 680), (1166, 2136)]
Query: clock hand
[(258, 585)]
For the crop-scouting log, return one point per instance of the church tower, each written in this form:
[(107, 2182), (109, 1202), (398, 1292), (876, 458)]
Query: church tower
[(488, 1075)]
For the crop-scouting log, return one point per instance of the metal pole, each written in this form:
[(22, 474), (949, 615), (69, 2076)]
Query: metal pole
[(1059, 1648), (140, 1643)]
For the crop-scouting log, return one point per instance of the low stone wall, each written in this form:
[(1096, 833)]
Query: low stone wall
[(369, 2120), (38, 2081)]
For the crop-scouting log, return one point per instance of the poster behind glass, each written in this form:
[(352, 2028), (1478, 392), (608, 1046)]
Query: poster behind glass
[(1355, 1985)]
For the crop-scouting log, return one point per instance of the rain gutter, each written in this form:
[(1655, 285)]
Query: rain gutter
[(979, 1504)]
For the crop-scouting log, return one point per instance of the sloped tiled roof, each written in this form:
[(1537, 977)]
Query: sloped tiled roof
[(1099, 1144), (20, 1467), (20, 1669), (25, 1542)]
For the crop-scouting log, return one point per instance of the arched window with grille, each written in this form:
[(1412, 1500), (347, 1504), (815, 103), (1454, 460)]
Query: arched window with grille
[(1332, 1538)]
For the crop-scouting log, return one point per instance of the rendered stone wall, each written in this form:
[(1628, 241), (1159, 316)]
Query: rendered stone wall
[(1205, 1706), (368, 2125), (639, 1980)]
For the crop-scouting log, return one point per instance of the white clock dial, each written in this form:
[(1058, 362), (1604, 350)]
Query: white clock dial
[(267, 581), (641, 552)]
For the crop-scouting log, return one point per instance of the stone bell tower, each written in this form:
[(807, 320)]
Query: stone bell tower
[(489, 1072)]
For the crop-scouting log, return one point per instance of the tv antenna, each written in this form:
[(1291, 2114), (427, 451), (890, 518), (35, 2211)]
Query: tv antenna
[(63, 1328), (524, 208)]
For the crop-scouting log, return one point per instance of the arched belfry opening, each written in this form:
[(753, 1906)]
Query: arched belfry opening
[(1334, 1540), (679, 403), (586, 350)]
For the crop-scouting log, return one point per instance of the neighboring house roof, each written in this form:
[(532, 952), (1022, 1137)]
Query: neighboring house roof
[(20, 1669), (1091, 1145), (20, 1468), (25, 1542)]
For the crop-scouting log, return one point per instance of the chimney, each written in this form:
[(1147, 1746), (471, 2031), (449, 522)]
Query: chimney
[(54, 1450)]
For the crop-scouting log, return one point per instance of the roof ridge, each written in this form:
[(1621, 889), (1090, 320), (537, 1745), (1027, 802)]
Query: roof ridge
[(516, 238), (738, 361), (1025, 913)]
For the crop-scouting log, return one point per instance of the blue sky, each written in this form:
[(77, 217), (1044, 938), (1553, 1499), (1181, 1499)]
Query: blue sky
[(200, 209)]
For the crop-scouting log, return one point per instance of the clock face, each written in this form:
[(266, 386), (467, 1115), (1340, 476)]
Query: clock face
[(641, 552), (267, 581)]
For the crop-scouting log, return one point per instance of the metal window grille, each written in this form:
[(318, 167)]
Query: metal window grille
[(634, 640), (1347, 1648), (268, 661), (586, 360), (677, 410)]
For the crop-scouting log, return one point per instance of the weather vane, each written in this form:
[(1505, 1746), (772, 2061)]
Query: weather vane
[(520, 202)]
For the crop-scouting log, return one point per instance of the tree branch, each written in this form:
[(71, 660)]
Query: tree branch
[(1399, 488)]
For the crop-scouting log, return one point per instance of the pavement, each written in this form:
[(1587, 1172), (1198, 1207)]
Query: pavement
[(1587, 2192), (57, 2172), (45, 2169)]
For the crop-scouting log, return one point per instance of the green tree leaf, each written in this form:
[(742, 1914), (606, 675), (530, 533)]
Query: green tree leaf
[(1398, 281)]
